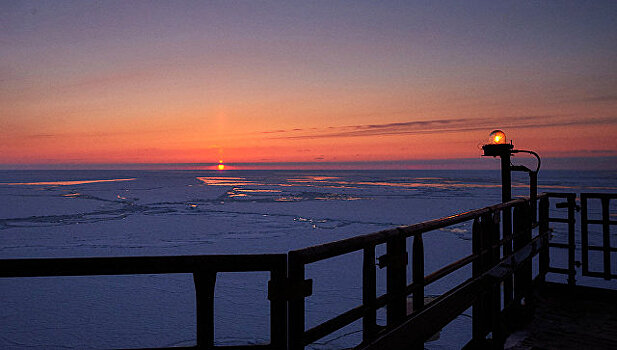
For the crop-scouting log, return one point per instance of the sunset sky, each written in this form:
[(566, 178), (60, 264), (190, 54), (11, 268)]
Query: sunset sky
[(394, 84)]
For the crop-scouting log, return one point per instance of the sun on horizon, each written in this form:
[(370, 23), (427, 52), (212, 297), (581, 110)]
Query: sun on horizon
[(362, 85)]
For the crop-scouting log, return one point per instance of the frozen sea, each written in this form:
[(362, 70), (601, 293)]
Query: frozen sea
[(145, 213)]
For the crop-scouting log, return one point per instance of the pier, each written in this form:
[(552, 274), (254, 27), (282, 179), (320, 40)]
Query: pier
[(509, 262)]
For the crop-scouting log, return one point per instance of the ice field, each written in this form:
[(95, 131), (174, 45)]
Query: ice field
[(145, 213)]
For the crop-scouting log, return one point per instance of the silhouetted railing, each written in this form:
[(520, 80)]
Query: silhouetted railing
[(489, 268), (203, 268), (605, 221), (496, 259), (570, 205)]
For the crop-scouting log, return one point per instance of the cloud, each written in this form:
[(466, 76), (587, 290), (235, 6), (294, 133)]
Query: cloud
[(275, 131), (440, 126), (585, 152), (41, 136), (603, 98)]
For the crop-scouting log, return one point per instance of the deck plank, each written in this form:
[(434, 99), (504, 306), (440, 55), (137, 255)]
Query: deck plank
[(569, 318)]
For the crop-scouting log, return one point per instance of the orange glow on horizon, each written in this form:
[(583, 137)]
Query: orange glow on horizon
[(252, 93)]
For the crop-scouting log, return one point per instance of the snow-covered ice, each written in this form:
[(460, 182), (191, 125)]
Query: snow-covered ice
[(138, 213)]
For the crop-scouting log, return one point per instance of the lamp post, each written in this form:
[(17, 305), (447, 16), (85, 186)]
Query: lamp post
[(498, 147)]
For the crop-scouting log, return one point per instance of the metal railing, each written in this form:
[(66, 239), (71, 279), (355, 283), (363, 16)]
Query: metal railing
[(570, 204), (501, 255), (490, 267), (605, 221), (204, 269)]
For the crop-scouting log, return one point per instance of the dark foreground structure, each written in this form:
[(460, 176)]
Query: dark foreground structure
[(569, 318), (503, 291)]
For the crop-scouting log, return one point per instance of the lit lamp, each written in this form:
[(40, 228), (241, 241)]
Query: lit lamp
[(498, 147)]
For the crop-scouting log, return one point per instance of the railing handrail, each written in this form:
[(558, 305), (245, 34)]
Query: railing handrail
[(607, 248), (456, 300), (599, 195), (287, 288), (204, 269), (136, 265), (395, 298), (348, 245)]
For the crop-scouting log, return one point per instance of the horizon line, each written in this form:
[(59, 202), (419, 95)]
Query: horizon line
[(479, 163)]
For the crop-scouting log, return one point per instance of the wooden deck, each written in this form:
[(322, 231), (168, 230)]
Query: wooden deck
[(569, 318)]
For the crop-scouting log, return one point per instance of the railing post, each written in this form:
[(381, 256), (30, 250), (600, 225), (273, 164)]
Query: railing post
[(369, 294), (495, 294), (278, 307), (396, 280), (522, 232), (296, 303), (507, 250), (418, 272), (571, 240), (528, 220), (204, 293), (533, 195), (477, 318), (491, 300), (584, 235), (606, 237), (418, 278), (487, 307), (544, 230)]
